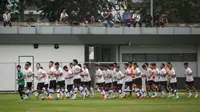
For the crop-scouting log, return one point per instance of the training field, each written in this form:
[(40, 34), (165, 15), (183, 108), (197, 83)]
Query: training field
[(10, 103)]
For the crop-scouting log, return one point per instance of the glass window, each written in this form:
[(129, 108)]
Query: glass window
[(126, 57), (190, 57), (177, 57), (139, 58), (151, 57), (164, 57)]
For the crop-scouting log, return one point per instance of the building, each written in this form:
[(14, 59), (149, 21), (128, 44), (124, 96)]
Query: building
[(36, 44)]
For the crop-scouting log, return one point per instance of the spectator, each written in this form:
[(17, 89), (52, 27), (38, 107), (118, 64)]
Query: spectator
[(156, 20), (88, 18), (136, 19), (74, 18), (163, 20), (147, 20), (6, 18), (117, 17), (127, 19), (63, 16), (108, 19)]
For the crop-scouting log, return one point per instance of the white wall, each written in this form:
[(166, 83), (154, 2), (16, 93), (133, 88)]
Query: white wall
[(44, 54), (164, 49)]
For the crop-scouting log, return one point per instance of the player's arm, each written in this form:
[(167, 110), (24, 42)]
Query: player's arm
[(23, 77), (31, 74), (122, 76)]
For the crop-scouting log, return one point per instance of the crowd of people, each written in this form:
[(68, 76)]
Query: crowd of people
[(109, 19), (111, 81)]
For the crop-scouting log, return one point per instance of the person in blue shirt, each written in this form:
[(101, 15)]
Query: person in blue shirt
[(127, 19)]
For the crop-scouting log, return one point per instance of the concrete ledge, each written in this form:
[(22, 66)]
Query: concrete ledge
[(97, 30), (27, 30), (148, 30), (131, 30), (8, 30), (114, 30), (62, 30), (45, 30), (167, 30), (195, 30), (181, 30)]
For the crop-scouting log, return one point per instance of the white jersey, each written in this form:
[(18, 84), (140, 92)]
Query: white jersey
[(50, 71), (128, 77), (163, 75), (46, 78), (68, 77), (85, 78), (76, 71), (58, 71), (119, 75), (99, 79), (39, 74), (172, 74), (148, 73), (157, 75), (137, 71), (107, 76), (113, 74), (189, 78), (27, 72)]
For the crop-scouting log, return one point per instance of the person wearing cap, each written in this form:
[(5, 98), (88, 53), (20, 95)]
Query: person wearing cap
[(6, 18), (28, 72)]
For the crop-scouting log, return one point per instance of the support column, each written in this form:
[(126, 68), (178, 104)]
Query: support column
[(198, 61), (117, 53)]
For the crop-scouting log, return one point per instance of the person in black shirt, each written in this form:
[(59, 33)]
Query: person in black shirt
[(108, 19), (88, 18)]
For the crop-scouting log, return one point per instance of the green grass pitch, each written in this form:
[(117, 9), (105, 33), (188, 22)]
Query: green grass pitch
[(10, 103)]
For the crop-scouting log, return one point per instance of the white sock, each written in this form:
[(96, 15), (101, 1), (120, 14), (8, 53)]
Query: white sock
[(155, 93), (58, 93), (92, 90), (75, 89)]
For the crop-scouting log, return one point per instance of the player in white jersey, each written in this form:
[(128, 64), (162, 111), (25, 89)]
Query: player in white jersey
[(173, 81), (114, 80), (148, 75), (139, 91), (40, 75), (76, 70), (189, 80), (99, 79), (128, 79), (29, 79), (46, 84), (163, 80), (52, 78), (108, 81), (120, 80), (156, 79), (68, 81), (60, 83)]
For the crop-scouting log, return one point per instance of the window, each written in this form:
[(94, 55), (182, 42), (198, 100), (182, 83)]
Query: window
[(164, 57), (126, 57), (139, 58), (190, 57), (151, 57), (176, 57)]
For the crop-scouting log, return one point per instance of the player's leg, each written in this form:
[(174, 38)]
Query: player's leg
[(41, 91), (28, 89), (137, 89), (20, 90), (62, 88), (91, 88), (194, 89), (58, 90), (174, 89), (46, 90), (142, 90), (51, 90), (187, 86)]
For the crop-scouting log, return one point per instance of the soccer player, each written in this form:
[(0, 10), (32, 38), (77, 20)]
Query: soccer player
[(163, 80), (21, 82), (69, 82), (76, 70), (148, 74), (120, 80), (156, 79), (173, 81), (131, 67), (139, 91), (99, 79), (46, 84), (108, 81), (60, 85), (114, 80), (128, 78), (52, 78), (29, 79), (40, 75), (189, 81)]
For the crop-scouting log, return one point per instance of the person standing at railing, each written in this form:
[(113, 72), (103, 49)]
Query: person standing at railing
[(63, 17), (6, 18)]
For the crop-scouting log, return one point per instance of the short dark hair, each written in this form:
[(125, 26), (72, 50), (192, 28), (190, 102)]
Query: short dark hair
[(135, 64), (65, 67), (163, 64), (76, 61), (28, 63), (186, 64), (126, 64), (56, 63), (79, 65), (169, 63), (38, 63), (41, 67), (51, 62), (70, 63), (96, 65), (117, 67), (85, 64), (130, 62), (111, 65), (18, 66), (146, 64), (154, 64), (114, 63)]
